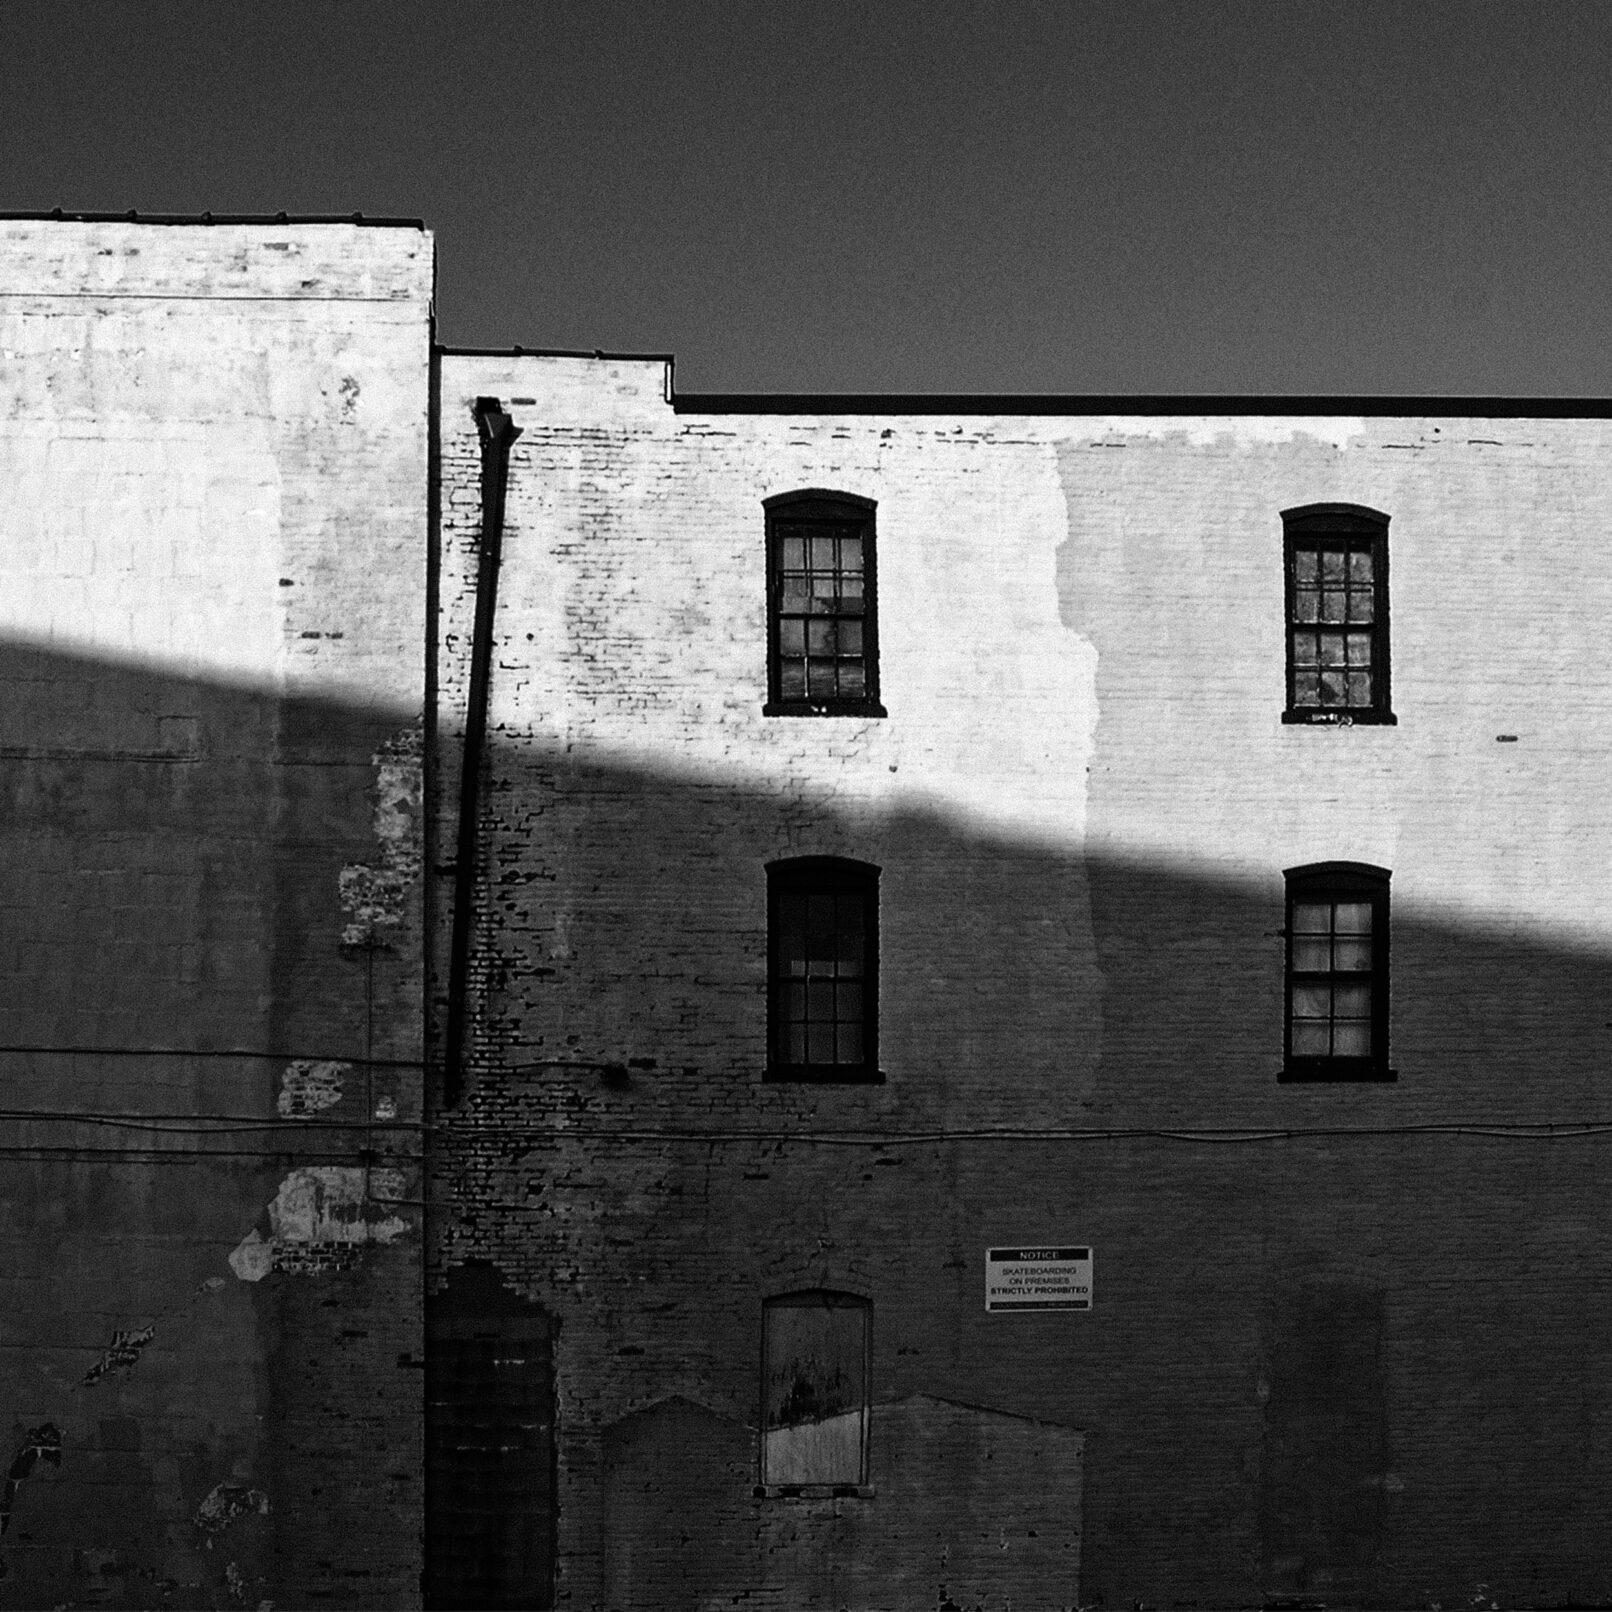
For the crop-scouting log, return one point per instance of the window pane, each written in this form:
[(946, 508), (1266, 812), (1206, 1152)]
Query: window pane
[(1306, 565), (1360, 566), (1332, 688), (848, 946), (1351, 956), (1361, 606), (1312, 917), (1310, 1039), (792, 680), (1306, 689), (1304, 648), (1312, 1001), (1331, 648), (821, 683), (1351, 1001), (1311, 955), (825, 594), (792, 636), (850, 553), (820, 1041), (1351, 1039), (822, 551), (1332, 604), (850, 637), (820, 637), (1306, 604), (852, 683), (848, 1043), (1359, 645), (1332, 562), (851, 594), (1352, 917), (795, 595), (1360, 689), (794, 554)]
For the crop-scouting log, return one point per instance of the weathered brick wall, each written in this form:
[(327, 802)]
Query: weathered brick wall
[(212, 615), (1342, 1347)]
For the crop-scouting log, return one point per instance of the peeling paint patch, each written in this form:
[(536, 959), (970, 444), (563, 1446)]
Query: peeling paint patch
[(307, 1086), (225, 1504), (1244, 430), (42, 1443), (321, 1219), (375, 895), (253, 1257), (123, 1352)]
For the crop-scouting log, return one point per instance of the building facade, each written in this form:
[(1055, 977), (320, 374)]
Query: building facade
[(214, 449), (812, 1002)]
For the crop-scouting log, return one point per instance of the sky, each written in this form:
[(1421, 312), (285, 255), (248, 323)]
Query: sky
[(1094, 196)]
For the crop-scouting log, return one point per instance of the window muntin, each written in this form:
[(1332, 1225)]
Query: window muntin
[(823, 969), (1336, 561), (814, 1376), (821, 618), (1337, 973)]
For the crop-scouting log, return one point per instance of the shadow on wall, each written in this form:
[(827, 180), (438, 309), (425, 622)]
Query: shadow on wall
[(191, 870), (1320, 1309), (1305, 1351)]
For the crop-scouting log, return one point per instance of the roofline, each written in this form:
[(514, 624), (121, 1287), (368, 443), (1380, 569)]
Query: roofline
[(1152, 403), (552, 352), (62, 215)]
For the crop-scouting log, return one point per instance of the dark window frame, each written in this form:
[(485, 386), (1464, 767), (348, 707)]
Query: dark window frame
[(807, 875), (1332, 882), (1339, 527), (817, 1298), (821, 505)]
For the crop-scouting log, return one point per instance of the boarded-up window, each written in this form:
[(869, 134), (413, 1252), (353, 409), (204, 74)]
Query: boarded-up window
[(815, 1389), (489, 1430)]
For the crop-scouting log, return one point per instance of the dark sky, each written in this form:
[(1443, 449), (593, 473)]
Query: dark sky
[(916, 195)]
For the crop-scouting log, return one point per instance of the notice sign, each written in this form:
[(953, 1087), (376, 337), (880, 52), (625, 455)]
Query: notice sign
[(1037, 1278)]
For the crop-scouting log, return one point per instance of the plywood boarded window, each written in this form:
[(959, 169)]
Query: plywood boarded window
[(814, 1371)]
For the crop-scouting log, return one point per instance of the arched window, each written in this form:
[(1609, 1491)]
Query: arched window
[(822, 616), (1336, 560), (823, 969), (814, 1389), (1337, 972)]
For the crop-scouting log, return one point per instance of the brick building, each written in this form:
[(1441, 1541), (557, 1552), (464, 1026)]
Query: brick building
[(1004, 996)]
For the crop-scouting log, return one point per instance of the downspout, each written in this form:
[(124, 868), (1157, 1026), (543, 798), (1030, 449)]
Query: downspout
[(498, 431)]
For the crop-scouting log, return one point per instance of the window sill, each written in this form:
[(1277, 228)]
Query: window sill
[(825, 1074), (813, 1491), (862, 708), (1331, 717), (1336, 1072)]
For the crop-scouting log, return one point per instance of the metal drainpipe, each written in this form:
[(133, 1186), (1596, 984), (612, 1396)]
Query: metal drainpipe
[(498, 432)]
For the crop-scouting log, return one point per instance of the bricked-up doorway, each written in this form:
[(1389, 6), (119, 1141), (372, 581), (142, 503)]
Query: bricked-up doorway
[(489, 1446)]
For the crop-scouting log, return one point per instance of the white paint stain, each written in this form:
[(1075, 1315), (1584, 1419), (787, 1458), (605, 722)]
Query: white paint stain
[(307, 1086), (253, 1258), (1243, 430), (321, 1212), (375, 895), (325, 1203)]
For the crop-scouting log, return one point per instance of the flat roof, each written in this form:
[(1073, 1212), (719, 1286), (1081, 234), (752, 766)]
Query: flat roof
[(1152, 403), (69, 216)]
